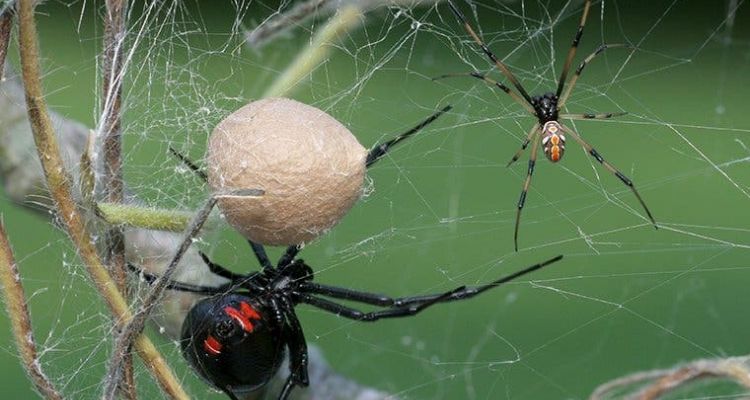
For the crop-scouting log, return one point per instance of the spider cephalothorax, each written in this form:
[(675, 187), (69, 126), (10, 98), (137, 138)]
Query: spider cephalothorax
[(545, 109)]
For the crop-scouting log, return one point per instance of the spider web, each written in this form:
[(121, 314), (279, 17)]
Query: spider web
[(440, 209)]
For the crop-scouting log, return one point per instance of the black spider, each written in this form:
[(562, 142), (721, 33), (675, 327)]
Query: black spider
[(546, 108), (237, 338)]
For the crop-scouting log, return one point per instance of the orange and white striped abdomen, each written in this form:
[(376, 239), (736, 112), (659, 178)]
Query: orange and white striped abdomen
[(553, 141)]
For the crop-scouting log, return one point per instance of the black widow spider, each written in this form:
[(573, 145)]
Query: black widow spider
[(546, 108), (236, 339)]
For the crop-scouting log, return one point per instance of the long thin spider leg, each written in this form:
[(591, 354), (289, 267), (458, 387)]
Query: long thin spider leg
[(180, 286), (579, 70), (472, 291), (611, 168), (260, 254), (298, 357), (592, 116), (288, 386), (198, 171), (258, 249), (526, 184), (219, 270), (500, 65), (491, 82), (357, 315), (346, 294), (379, 150), (407, 306), (573, 48), (529, 137), (289, 255)]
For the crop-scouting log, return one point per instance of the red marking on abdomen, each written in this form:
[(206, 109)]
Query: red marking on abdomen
[(555, 153), (243, 316), (212, 346)]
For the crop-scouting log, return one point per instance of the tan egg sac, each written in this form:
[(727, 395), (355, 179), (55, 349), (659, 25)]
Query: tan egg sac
[(311, 168)]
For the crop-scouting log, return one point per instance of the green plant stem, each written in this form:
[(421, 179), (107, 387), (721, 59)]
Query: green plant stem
[(144, 217), (317, 51)]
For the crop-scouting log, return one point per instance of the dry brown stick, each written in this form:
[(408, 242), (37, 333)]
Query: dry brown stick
[(651, 385), (58, 183), (111, 131), (6, 21), (15, 304)]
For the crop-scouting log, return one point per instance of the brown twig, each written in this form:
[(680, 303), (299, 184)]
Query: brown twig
[(15, 303), (6, 22), (651, 385), (58, 183), (111, 131)]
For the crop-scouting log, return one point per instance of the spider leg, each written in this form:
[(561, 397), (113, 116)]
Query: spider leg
[(393, 312), (592, 116), (258, 249), (180, 286), (287, 390), (219, 270), (580, 68), (347, 294), (198, 171), (526, 184), (472, 291), (573, 48), (289, 255), (407, 306), (611, 168), (492, 82), (529, 137), (379, 150), (298, 358), (260, 254), (228, 391), (500, 65)]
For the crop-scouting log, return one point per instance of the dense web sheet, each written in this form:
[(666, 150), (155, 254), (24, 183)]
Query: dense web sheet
[(439, 210)]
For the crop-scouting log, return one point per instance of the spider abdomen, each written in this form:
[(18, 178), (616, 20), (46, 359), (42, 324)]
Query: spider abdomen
[(553, 141), (230, 342)]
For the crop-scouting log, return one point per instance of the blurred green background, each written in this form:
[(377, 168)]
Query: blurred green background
[(441, 211)]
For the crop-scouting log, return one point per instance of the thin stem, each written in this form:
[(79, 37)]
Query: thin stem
[(111, 130), (144, 217), (345, 20), (15, 304), (6, 22), (58, 183)]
